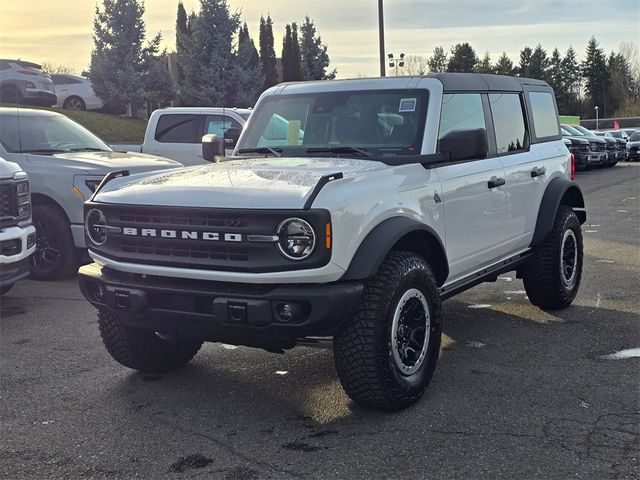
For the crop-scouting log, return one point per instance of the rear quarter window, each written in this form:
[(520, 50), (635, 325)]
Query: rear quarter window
[(545, 118)]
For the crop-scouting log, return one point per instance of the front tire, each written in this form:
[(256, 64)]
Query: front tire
[(144, 350), (552, 278), (386, 353), (54, 257)]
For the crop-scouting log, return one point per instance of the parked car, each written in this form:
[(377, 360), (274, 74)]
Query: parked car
[(341, 231), (25, 83), (579, 147), (618, 134), (177, 132), (597, 152), (65, 163), (17, 234), (75, 92), (616, 147), (633, 147)]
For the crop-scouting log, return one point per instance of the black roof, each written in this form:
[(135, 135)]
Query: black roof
[(484, 81)]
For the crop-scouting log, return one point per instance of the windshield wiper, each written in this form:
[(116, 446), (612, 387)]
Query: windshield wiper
[(87, 149), (276, 152), (342, 149), (42, 150)]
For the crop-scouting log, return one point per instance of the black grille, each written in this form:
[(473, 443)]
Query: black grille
[(183, 249), (11, 247), (194, 251), (8, 203), (596, 147)]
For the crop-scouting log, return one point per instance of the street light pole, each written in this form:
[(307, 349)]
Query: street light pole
[(381, 34), (596, 117)]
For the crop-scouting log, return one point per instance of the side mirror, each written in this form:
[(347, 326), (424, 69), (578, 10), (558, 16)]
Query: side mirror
[(466, 144), (231, 136), (212, 146)]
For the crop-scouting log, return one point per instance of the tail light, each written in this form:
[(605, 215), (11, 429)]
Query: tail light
[(27, 72), (573, 167)]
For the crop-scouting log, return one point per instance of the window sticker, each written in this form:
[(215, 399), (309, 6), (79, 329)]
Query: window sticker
[(407, 105)]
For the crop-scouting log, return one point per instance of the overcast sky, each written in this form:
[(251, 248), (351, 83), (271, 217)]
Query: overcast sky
[(60, 32)]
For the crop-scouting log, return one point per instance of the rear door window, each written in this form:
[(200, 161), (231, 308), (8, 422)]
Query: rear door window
[(177, 128), (545, 119), (508, 121)]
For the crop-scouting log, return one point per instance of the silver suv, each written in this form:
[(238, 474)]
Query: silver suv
[(380, 199), (25, 82)]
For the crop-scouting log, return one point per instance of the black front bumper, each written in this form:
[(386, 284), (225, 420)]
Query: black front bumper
[(44, 99), (242, 314), (10, 273)]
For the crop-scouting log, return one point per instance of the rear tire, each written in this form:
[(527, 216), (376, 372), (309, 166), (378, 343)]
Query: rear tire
[(10, 94), (54, 257), (74, 103), (552, 278), (387, 352), (143, 350)]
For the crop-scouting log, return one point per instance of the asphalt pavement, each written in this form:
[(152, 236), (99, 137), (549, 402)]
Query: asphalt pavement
[(518, 393)]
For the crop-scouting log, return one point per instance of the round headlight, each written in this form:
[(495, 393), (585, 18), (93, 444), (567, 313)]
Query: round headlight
[(296, 239), (95, 225)]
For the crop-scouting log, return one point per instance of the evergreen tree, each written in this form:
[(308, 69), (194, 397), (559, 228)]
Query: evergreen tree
[(315, 59), (504, 65), (158, 87), (245, 80), (525, 62), (208, 54), (620, 81), (554, 75), (571, 77), (438, 61), (119, 60), (267, 53), (291, 60), (596, 78), (181, 25), (484, 65), (539, 63), (463, 58)]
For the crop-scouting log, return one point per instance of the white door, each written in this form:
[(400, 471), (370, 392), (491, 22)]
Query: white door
[(474, 210)]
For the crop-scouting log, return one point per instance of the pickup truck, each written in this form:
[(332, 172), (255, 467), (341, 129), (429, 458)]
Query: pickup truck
[(176, 132)]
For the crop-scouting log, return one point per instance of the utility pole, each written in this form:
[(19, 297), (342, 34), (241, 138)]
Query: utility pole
[(381, 34)]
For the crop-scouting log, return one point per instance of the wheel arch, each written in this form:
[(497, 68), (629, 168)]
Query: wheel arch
[(41, 199), (398, 233), (560, 191)]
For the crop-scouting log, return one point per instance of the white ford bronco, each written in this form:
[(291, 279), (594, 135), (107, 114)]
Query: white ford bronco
[(380, 199)]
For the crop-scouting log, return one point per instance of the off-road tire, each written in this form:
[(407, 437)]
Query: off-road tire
[(51, 223), (143, 350), (362, 348), (542, 275)]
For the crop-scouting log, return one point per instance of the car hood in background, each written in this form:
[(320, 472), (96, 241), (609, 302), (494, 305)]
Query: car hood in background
[(102, 162), (246, 183)]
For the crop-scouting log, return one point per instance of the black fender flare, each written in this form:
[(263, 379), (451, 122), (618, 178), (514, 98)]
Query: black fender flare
[(560, 191), (383, 237)]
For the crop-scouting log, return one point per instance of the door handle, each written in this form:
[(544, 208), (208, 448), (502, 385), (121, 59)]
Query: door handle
[(495, 182), (538, 172)]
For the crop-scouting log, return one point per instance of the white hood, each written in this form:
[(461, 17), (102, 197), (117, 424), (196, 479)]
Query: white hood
[(244, 183)]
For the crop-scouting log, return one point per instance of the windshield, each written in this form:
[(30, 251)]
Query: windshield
[(568, 130), (388, 123), (584, 130), (46, 134), (635, 137)]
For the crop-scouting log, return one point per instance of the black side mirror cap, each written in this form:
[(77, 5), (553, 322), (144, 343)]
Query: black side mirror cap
[(212, 147), (231, 136), (468, 144)]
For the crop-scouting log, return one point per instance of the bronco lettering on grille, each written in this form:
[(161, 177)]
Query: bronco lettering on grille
[(182, 234)]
